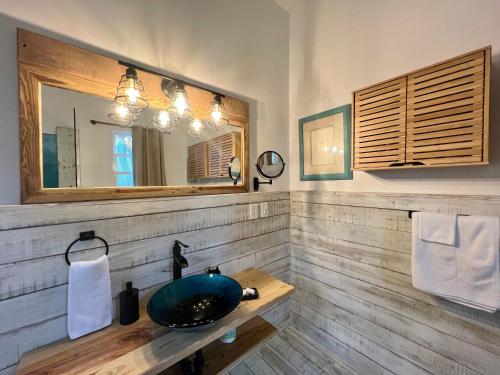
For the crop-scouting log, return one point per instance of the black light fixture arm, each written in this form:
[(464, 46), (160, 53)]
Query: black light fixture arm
[(146, 70)]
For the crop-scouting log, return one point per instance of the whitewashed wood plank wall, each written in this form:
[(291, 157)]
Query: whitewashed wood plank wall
[(354, 296), (232, 231), (354, 311)]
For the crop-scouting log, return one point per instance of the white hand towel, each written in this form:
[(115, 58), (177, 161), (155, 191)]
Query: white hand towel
[(89, 297), (437, 227), (468, 273), (434, 265)]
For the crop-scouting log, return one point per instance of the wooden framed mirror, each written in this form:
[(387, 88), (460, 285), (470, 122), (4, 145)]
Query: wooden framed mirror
[(72, 151)]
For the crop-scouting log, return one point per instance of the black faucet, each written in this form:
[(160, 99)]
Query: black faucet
[(179, 261)]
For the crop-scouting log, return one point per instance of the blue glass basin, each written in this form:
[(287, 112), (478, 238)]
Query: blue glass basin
[(194, 301)]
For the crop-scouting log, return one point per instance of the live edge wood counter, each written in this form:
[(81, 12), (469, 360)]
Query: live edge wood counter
[(145, 347)]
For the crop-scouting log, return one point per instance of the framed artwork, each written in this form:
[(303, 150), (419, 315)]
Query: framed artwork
[(325, 145)]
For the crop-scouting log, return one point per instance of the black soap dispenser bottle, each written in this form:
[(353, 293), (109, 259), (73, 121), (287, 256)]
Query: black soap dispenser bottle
[(129, 304)]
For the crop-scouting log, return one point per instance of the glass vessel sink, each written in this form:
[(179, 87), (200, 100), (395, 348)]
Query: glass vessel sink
[(194, 301)]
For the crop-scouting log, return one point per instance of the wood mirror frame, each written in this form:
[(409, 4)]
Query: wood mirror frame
[(43, 60)]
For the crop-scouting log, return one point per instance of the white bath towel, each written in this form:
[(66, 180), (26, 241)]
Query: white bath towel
[(89, 297), (437, 227), (468, 273), (479, 261)]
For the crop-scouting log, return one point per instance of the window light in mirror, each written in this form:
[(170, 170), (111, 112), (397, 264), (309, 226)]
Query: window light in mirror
[(122, 158), (218, 115), (131, 93)]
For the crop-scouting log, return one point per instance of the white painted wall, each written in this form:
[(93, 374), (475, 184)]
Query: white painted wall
[(238, 46), (338, 46)]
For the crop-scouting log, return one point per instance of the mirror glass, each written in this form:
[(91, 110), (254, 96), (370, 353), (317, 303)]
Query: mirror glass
[(82, 147), (235, 169), (270, 165)]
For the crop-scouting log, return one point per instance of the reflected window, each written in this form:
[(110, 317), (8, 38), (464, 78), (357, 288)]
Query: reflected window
[(122, 158)]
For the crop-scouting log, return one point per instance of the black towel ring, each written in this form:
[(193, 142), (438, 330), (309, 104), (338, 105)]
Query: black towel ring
[(85, 236)]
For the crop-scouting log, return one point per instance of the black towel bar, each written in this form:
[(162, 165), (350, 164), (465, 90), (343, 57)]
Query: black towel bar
[(410, 214), (85, 236)]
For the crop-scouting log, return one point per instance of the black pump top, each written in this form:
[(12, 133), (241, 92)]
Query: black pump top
[(128, 285)]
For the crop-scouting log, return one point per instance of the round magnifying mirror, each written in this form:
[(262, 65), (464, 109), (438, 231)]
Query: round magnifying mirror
[(235, 169), (270, 165)]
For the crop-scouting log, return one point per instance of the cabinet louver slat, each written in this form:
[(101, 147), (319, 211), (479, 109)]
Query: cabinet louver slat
[(445, 112), (379, 125), (210, 159), (197, 165), (435, 116), (220, 151)]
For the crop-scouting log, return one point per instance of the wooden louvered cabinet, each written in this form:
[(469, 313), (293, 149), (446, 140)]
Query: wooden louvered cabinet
[(435, 116), (379, 125), (446, 112), (197, 161), (210, 159), (220, 151)]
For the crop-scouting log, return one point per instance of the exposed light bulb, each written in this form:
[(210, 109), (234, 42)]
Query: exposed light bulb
[(218, 114), (163, 121), (121, 114), (180, 103), (163, 118), (196, 125), (122, 111), (132, 93), (196, 128)]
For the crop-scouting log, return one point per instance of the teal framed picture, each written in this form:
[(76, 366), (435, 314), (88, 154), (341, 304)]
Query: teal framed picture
[(325, 145)]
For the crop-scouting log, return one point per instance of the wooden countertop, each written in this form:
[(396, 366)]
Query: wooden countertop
[(145, 347)]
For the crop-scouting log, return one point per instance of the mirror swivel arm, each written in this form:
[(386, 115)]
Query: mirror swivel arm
[(257, 183)]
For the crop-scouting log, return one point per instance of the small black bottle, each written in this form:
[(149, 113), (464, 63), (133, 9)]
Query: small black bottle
[(129, 304)]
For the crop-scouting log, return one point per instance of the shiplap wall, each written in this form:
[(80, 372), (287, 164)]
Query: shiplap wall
[(354, 296), (235, 231), (354, 303)]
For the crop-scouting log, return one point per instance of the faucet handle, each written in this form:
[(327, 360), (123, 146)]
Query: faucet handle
[(177, 242), (213, 270)]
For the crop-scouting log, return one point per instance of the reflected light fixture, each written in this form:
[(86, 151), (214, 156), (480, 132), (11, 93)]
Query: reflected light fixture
[(131, 93), (196, 128), (163, 121), (121, 114), (218, 115), (179, 105)]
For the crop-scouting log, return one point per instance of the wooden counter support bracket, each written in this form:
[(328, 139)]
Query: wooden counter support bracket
[(147, 348)]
